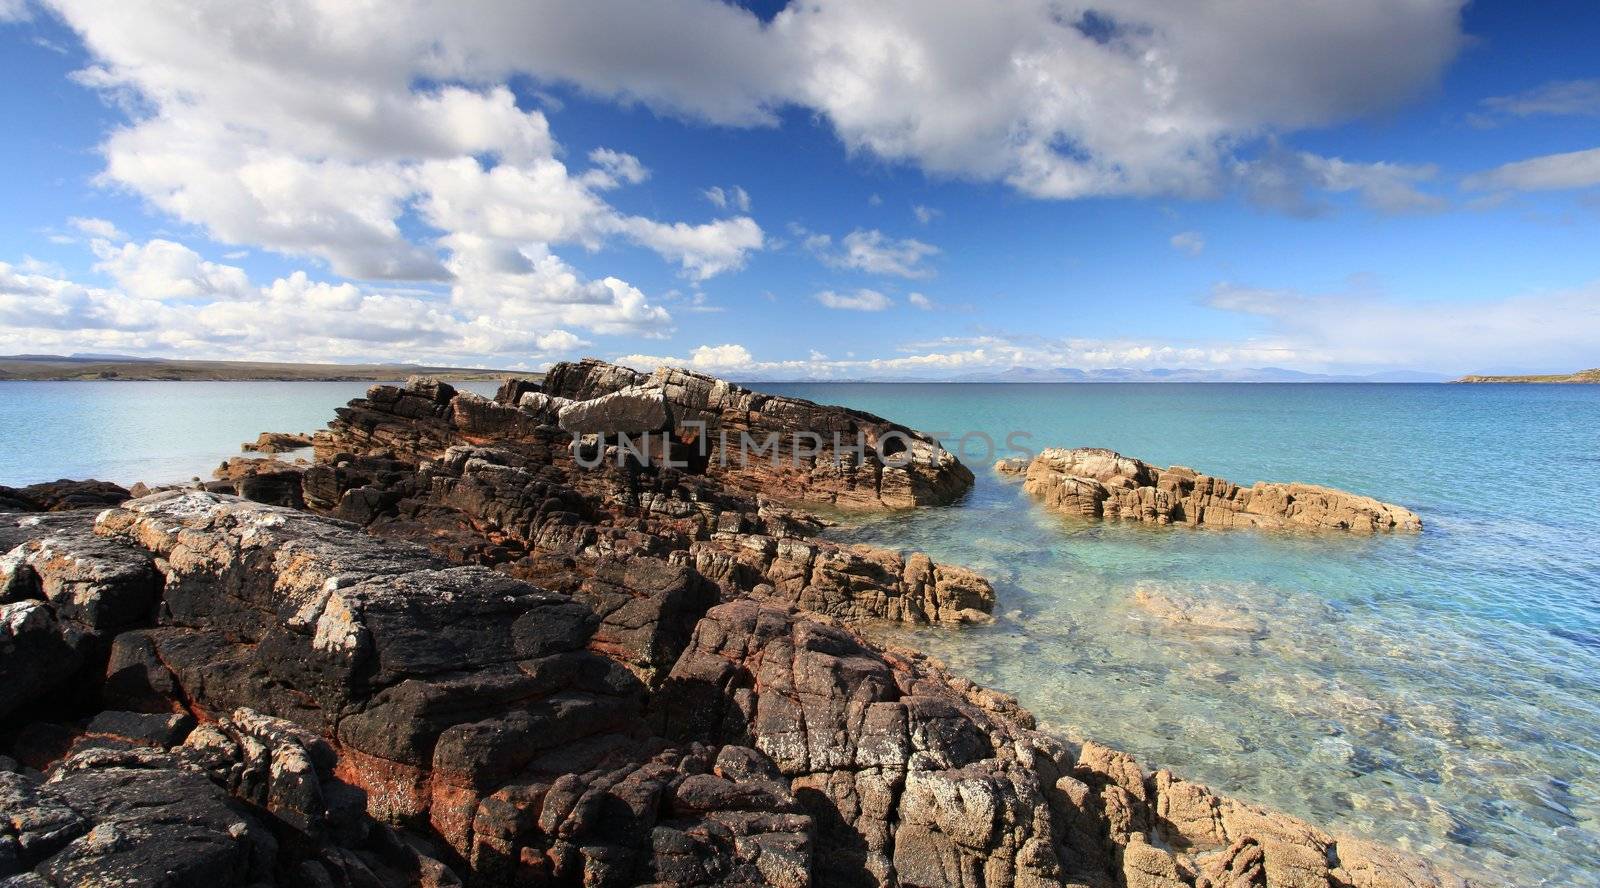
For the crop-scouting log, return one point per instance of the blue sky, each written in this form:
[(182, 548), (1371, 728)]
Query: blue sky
[(845, 190)]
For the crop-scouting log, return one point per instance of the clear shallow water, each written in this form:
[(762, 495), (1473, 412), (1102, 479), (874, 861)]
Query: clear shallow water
[(156, 432), (1440, 692)]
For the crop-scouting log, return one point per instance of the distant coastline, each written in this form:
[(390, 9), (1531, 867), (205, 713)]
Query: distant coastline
[(1590, 377), (58, 368)]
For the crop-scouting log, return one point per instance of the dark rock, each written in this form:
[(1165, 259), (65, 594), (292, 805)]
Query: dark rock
[(61, 496), (38, 654), (148, 729)]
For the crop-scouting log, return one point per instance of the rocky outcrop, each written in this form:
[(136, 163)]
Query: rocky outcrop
[(1095, 483), (310, 705), (61, 496), (410, 463), (787, 448), (277, 442)]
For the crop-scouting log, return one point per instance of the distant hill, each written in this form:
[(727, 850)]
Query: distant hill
[(121, 367), (1582, 376)]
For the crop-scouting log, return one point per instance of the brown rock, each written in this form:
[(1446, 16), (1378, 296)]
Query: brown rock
[(1094, 483)]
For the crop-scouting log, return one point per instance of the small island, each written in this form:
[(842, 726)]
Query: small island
[(1590, 376)]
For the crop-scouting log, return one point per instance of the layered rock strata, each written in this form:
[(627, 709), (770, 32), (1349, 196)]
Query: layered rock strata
[(1103, 484)]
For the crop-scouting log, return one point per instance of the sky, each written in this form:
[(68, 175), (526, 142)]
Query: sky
[(827, 189)]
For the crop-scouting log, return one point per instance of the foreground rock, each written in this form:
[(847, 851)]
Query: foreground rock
[(309, 705), (1095, 483)]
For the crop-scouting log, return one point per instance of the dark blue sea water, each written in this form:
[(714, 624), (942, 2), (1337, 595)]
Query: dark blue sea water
[(1440, 692)]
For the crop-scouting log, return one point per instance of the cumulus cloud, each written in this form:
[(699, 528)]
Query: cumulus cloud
[(706, 358), (926, 214), (920, 301), (383, 143), (1551, 172), (1190, 242), (873, 252), (168, 299), (860, 300), (1059, 100), (163, 271), (613, 169)]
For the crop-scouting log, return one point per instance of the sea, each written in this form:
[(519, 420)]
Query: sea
[(1439, 692)]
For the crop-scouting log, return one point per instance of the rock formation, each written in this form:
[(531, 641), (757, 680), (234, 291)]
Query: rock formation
[(59, 496), (842, 466), (1095, 483), (471, 659), (300, 703), (277, 442)]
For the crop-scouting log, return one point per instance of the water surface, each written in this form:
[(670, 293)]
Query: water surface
[(156, 432), (1440, 692)]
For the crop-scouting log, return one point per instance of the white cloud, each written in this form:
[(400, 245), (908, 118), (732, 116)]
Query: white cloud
[(101, 228), (1289, 181), (703, 251), (1190, 242), (920, 301), (302, 130), (1552, 172), (925, 214), (706, 358), (164, 271), (613, 169), (1130, 97), (171, 301), (860, 300), (1133, 97), (14, 11), (1352, 332), (1364, 328), (730, 198), (871, 251), (1575, 98)]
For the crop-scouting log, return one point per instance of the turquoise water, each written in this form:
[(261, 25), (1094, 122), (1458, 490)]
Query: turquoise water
[(156, 432), (1440, 692)]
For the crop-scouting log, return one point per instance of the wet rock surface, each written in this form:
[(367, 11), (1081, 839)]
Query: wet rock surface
[(1103, 484), (472, 660)]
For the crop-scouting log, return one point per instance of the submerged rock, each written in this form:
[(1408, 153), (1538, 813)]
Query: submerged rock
[(1095, 483)]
